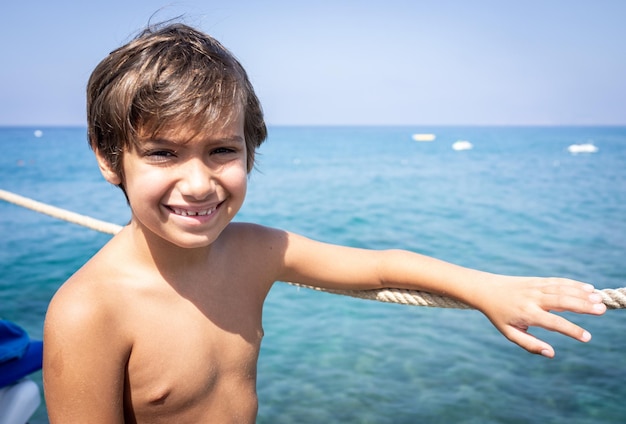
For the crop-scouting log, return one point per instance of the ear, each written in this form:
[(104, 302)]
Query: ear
[(107, 170)]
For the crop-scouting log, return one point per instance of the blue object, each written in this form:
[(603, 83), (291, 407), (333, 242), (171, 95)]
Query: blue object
[(19, 355), (13, 341)]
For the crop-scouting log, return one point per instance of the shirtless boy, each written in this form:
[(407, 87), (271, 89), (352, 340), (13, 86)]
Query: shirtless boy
[(163, 325)]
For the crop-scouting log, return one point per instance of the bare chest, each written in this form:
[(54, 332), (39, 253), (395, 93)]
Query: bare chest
[(194, 361)]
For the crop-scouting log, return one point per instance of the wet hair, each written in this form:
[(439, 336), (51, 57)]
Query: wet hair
[(169, 75)]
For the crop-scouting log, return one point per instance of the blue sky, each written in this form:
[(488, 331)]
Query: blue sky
[(393, 62)]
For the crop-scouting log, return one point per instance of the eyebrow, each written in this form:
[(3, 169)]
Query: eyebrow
[(233, 138), (181, 142)]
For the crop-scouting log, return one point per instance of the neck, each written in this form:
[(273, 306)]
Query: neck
[(171, 261)]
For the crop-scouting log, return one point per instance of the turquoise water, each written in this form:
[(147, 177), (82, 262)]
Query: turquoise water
[(517, 203)]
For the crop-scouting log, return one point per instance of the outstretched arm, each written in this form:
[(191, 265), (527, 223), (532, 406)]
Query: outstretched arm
[(512, 304)]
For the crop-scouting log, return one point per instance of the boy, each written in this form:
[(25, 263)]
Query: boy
[(163, 325)]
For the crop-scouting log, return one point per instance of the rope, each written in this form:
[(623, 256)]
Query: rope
[(612, 298), (65, 215)]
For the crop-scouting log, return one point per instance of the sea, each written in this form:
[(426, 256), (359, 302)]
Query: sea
[(511, 200)]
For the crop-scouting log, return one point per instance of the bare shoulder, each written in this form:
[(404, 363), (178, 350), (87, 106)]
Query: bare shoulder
[(263, 240), (82, 301), (92, 294), (87, 308), (90, 309), (258, 251)]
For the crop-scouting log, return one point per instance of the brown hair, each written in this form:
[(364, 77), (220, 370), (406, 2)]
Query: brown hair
[(168, 75)]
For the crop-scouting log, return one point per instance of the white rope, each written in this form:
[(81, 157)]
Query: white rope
[(53, 211)]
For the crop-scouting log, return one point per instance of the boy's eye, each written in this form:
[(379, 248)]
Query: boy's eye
[(160, 153), (221, 150)]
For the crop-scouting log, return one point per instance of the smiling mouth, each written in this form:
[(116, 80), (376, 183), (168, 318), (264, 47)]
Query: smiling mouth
[(187, 212)]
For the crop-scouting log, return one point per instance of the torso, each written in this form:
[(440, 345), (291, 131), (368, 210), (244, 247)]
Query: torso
[(195, 345)]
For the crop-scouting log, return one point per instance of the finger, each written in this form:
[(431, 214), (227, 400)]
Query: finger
[(561, 325), (580, 306), (566, 298), (591, 305), (529, 342), (550, 322), (566, 282)]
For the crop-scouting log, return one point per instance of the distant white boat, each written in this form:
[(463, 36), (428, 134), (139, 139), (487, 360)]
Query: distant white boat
[(38, 133), (582, 148), (462, 145), (424, 137)]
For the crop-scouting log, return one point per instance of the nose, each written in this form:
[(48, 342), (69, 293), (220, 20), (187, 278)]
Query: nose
[(197, 180)]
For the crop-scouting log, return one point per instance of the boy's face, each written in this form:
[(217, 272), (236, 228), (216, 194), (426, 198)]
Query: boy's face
[(184, 186)]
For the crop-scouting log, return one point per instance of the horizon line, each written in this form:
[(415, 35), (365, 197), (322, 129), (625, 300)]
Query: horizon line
[(269, 125)]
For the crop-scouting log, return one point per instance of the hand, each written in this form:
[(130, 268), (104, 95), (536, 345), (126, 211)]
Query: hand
[(514, 304)]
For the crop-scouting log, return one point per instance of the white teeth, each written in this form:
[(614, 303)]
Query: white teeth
[(184, 212)]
